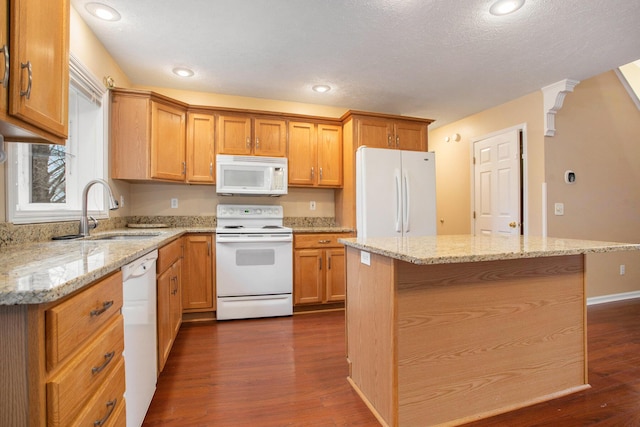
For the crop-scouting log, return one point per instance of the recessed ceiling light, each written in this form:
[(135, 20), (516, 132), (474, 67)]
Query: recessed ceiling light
[(103, 11), (183, 72), (321, 88), (505, 7)]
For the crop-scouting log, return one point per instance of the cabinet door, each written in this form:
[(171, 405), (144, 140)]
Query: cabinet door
[(335, 285), (197, 283), (164, 285), (302, 154), (200, 135), (375, 133), (234, 135), (329, 155), (308, 276), (411, 136), (40, 63), (270, 138), (168, 140), (175, 304)]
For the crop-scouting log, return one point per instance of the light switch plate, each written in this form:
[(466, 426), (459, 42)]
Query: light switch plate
[(558, 209)]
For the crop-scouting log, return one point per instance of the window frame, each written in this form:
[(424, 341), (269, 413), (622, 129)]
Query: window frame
[(85, 82)]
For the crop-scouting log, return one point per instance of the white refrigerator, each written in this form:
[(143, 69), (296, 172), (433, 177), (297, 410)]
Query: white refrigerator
[(395, 193)]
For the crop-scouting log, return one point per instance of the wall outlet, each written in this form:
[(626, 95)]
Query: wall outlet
[(622, 269), (365, 258), (558, 209), (312, 205), (174, 203)]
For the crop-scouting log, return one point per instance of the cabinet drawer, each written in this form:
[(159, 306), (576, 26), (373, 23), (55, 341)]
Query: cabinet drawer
[(104, 408), (68, 390), (68, 325), (168, 254), (320, 240)]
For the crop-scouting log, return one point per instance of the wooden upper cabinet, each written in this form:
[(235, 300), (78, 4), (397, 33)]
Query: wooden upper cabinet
[(234, 135), (303, 154), (375, 133), (270, 138), (395, 133), (35, 41), (329, 155), (315, 155), (168, 142), (247, 135), (200, 148)]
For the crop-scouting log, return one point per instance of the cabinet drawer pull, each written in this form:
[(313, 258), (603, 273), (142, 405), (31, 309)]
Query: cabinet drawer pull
[(27, 92), (111, 405), (107, 359), (329, 263), (105, 306), (324, 241), (5, 77), (320, 263)]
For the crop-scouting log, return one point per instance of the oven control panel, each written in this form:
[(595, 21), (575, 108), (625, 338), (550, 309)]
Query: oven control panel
[(249, 211)]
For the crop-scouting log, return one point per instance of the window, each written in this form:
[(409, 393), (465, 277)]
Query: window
[(45, 182)]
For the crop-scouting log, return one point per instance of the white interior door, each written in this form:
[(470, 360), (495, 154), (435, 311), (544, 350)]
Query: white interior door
[(497, 191)]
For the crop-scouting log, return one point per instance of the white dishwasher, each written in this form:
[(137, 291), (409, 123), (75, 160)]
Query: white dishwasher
[(140, 348)]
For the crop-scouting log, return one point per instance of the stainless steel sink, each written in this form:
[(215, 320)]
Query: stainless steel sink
[(138, 236)]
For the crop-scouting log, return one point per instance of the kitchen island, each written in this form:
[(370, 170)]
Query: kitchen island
[(444, 330)]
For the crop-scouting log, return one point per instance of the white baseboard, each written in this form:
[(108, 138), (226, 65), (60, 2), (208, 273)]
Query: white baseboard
[(613, 297)]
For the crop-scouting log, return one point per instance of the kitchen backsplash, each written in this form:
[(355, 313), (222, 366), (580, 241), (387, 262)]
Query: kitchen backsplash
[(11, 234)]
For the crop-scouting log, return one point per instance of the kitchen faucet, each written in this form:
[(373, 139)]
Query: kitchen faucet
[(84, 219)]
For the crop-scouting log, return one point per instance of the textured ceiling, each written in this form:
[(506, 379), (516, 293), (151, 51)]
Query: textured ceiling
[(439, 59)]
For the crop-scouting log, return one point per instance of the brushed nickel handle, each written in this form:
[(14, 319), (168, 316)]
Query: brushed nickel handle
[(5, 77), (107, 359), (324, 241), (98, 311), (257, 142), (320, 174), (248, 142), (397, 141), (320, 263), (389, 141), (184, 168), (329, 263), (210, 168), (27, 93), (313, 172), (111, 405)]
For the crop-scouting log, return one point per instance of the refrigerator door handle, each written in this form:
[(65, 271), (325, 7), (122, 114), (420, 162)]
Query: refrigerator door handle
[(398, 201), (406, 200)]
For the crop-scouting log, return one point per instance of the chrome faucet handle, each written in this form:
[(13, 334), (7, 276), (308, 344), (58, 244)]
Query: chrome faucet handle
[(94, 223)]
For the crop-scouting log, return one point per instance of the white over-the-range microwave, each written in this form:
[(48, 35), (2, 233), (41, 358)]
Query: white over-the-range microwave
[(251, 175)]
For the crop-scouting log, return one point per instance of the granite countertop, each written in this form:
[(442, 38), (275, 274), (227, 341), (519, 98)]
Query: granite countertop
[(447, 249), (42, 272)]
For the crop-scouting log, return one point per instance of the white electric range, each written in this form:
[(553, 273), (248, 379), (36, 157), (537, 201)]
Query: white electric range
[(254, 262)]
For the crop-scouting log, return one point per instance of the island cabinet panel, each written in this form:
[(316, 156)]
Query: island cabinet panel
[(452, 343)]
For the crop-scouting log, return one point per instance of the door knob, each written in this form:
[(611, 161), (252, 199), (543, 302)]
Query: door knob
[(513, 224)]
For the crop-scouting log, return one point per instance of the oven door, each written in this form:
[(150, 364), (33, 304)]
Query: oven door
[(248, 265)]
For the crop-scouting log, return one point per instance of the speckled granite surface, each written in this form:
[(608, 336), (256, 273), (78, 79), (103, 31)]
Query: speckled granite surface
[(467, 248)]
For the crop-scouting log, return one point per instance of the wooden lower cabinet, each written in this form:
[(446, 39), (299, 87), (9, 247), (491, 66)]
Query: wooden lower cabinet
[(64, 366), (318, 276), (198, 289), (169, 297)]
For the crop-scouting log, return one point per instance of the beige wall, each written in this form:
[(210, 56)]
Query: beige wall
[(155, 199), (453, 161), (598, 137)]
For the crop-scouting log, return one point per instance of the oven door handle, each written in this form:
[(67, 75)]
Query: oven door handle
[(270, 239)]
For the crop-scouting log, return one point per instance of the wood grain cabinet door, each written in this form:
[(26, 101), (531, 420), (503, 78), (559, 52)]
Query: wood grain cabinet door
[(411, 136), (329, 155), (335, 286), (39, 75), (200, 148), (302, 154), (234, 135), (375, 133), (270, 138), (197, 284), (168, 141), (308, 277)]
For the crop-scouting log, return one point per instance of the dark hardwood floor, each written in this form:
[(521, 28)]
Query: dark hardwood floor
[(292, 372)]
